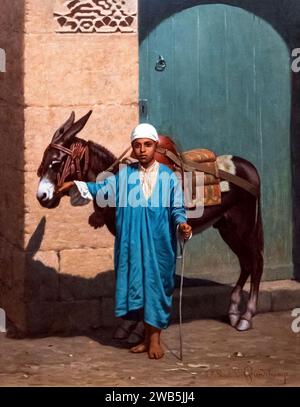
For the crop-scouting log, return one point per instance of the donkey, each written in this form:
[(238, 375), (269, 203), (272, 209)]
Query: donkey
[(238, 218)]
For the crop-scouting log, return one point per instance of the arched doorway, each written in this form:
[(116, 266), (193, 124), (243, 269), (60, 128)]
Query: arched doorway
[(226, 86)]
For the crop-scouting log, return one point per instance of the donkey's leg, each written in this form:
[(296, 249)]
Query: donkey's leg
[(245, 322), (228, 232), (236, 295), (255, 249)]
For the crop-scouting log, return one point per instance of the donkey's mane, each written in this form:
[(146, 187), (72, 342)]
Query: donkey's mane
[(102, 154)]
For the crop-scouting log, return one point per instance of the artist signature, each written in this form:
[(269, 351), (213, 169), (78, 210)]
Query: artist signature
[(248, 373)]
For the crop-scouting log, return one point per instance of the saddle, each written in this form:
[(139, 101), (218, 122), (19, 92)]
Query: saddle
[(212, 182), (193, 161), (167, 154)]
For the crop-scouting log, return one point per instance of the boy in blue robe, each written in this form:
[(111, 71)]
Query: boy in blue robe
[(149, 207)]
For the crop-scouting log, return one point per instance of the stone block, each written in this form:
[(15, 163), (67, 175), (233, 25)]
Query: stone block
[(11, 213), (108, 312), (264, 298), (86, 262), (42, 279), (202, 302), (12, 137), (14, 308), (86, 273), (91, 73), (280, 295), (12, 267), (63, 317), (286, 299), (12, 16), (12, 79), (78, 315), (39, 16), (12, 283)]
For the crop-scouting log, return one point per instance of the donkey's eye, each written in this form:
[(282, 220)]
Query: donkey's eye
[(55, 164)]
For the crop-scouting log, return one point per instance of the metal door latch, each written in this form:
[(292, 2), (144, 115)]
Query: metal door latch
[(160, 64), (143, 107)]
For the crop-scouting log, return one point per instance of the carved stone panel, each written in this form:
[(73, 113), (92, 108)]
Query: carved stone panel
[(96, 16)]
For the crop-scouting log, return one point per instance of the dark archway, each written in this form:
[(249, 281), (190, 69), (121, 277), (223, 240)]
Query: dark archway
[(284, 17)]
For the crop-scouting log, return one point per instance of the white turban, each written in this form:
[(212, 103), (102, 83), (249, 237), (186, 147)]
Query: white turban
[(144, 130)]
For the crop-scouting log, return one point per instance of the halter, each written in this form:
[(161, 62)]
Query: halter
[(71, 166)]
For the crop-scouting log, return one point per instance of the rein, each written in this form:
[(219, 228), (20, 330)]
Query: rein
[(77, 151)]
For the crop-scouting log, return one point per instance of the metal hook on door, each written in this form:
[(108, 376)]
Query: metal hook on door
[(160, 64)]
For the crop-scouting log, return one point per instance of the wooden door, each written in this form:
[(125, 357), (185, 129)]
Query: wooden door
[(225, 87)]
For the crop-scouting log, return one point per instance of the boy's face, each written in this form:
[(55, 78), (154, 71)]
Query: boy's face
[(144, 150)]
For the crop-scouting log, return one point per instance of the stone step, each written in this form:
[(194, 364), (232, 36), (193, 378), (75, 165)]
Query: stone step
[(211, 300)]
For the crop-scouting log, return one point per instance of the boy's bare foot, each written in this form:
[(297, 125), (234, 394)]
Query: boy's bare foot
[(151, 344), (155, 351), (142, 347)]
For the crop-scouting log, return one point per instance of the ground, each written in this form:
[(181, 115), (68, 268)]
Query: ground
[(214, 355)]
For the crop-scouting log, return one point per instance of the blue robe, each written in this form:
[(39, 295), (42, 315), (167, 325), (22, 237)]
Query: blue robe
[(145, 244)]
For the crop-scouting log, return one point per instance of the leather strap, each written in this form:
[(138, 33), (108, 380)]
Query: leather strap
[(61, 148), (117, 161), (72, 165), (240, 182), (227, 176)]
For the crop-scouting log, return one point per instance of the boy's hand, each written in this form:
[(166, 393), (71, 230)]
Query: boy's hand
[(186, 230), (65, 187)]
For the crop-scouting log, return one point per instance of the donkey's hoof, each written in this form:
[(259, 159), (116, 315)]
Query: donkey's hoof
[(244, 325), (234, 318)]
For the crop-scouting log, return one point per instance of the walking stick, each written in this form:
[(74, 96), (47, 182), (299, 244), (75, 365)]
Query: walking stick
[(182, 244)]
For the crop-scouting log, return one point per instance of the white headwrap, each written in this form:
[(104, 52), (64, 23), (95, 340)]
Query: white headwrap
[(144, 130)]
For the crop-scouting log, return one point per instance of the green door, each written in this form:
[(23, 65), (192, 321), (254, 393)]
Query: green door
[(225, 87)]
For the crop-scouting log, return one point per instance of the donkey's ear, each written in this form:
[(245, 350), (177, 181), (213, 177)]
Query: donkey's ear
[(76, 128), (63, 128)]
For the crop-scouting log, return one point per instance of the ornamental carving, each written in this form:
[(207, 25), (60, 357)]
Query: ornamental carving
[(96, 16)]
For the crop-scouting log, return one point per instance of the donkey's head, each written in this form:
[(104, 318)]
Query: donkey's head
[(55, 160)]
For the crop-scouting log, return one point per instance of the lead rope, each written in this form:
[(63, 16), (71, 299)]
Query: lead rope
[(182, 244)]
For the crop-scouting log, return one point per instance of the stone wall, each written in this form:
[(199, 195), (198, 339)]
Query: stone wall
[(12, 162), (65, 265)]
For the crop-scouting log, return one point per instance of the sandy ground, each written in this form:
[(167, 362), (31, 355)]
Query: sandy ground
[(214, 355)]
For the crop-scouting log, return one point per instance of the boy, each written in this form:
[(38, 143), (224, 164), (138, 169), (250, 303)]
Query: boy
[(148, 212)]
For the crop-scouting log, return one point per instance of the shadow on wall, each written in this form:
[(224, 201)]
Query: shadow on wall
[(60, 304), (12, 158)]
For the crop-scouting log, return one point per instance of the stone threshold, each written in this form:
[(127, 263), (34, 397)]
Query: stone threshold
[(211, 300)]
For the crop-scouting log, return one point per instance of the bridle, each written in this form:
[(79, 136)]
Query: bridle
[(72, 166)]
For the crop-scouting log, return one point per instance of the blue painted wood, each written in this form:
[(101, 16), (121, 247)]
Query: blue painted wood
[(227, 88)]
